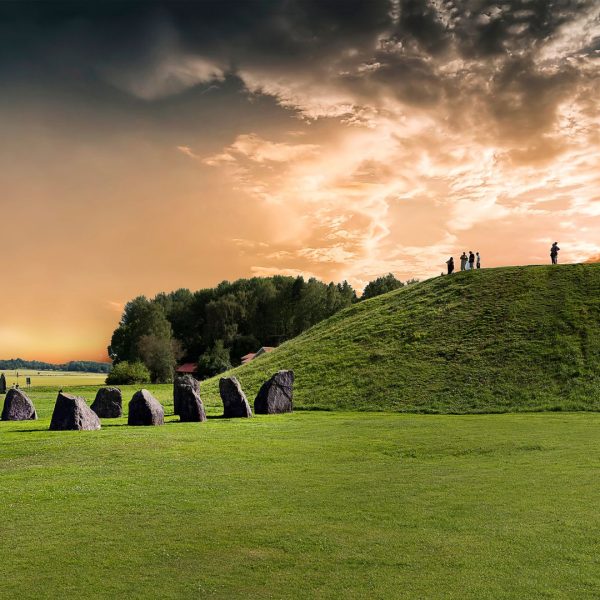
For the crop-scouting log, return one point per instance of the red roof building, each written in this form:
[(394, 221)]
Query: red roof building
[(264, 350), (248, 357), (187, 368), (252, 355)]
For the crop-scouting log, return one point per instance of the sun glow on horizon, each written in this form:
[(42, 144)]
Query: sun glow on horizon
[(180, 148)]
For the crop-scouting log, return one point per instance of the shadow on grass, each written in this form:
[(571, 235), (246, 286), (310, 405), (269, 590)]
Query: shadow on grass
[(109, 425), (37, 430)]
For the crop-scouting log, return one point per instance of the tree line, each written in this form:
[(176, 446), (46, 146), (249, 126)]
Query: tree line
[(215, 327), (86, 366)]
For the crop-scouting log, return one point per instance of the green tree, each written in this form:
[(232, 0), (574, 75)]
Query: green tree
[(125, 373), (243, 315), (141, 317), (312, 306), (222, 318), (159, 354), (381, 285), (242, 345), (214, 361)]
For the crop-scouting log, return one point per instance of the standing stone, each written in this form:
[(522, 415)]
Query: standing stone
[(18, 407), (234, 399), (186, 399), (2, 384), (108, 403), (145, 409), (275, 395), (71, 412)]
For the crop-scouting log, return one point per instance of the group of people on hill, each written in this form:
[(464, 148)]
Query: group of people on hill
[(467, 262), (473, 261)]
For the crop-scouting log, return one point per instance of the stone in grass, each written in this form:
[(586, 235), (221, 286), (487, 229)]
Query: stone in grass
[(234, 399), (18, 407), (145, 409), (72, 413), (275, 395), (186, 399), (108, 403)]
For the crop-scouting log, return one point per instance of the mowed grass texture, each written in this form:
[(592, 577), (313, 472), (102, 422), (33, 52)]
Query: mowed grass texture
[(305, 505), (341, 504), (494, 340)]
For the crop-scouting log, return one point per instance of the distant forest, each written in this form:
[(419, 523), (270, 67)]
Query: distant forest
[(87, 366), (215, 327)]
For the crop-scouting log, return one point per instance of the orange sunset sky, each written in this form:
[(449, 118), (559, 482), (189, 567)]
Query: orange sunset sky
[(148, 146)]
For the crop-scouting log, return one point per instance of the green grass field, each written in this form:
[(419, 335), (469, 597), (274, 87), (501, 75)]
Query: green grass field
[(326, 503), (308, 505), (56, 379)]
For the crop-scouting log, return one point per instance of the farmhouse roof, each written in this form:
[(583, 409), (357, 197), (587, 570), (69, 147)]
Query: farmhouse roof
[(252, 355), (247, 358), (187, 368), (264, 350)]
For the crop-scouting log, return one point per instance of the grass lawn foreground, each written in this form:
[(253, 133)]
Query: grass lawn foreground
[(307, 505)]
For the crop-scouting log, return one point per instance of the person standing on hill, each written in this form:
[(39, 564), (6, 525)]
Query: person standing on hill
[(450, 264), (478, 260), (471, 260), (463, 261), (554, 253)]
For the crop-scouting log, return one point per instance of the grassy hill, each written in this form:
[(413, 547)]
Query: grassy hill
[(347, 505), (495, 340)]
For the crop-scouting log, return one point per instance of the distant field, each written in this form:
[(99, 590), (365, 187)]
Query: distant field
[(53, 378)]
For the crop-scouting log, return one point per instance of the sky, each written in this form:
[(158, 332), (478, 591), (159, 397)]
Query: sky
[(148, 146)]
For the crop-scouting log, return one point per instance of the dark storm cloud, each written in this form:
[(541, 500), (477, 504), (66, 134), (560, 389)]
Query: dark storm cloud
[(396, 48), (286, 30)]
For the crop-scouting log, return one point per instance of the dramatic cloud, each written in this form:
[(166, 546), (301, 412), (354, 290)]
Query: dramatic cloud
[(341, 140)]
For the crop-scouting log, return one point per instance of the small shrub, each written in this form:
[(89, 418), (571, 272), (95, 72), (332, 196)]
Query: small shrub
[(126, 373)]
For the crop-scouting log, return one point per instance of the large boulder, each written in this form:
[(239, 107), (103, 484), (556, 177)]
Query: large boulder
[(275, 395), (186, 399), (2, 384), (108, 403), (18, 407), (145, 409), (234, 399), (71, 412)]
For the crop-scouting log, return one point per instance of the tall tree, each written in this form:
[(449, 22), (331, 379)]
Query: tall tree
[(242, 315), (160, 355), (140, 317), (381, 285)]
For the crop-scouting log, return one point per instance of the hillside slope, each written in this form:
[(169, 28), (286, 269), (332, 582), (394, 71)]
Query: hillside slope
[(519, 338)]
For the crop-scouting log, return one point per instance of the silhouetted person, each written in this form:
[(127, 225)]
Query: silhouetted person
[(478, 260), (554, 253), (450, 264), (463, 261), (471, 260)]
